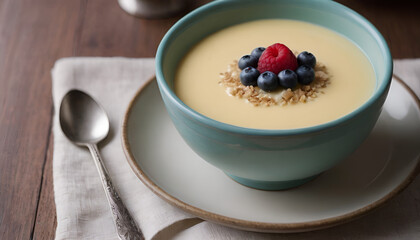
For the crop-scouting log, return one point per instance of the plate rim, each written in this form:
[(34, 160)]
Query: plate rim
[(256, 225)]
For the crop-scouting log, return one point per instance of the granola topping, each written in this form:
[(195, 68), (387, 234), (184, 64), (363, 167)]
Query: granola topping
[(254, 95)]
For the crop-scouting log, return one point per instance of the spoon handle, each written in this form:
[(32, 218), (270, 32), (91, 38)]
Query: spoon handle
[(126, 227)]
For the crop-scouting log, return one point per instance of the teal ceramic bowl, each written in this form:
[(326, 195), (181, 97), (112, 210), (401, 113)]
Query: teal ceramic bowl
[(272, 159)]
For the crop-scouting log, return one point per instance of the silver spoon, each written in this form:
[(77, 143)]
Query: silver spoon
[(85, 123)]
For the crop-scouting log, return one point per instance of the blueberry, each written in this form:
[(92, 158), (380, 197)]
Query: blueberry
[(247, 61), (306, 58), (305, 74), (288, 78), (249, 76), (268, 81), (257, 52)]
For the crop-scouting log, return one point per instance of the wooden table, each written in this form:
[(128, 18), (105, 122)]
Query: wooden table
[(34, 34)]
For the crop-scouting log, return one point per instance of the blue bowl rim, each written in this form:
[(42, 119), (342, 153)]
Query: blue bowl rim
[(165, 89)]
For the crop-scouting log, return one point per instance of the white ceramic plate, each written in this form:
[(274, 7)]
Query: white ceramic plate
[(382, 167)]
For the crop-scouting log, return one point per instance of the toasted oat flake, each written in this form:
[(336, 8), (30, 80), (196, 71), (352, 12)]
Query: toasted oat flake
[(254, 95)]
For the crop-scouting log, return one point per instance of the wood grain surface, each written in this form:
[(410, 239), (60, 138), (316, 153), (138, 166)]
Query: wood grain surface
[(34, 34)]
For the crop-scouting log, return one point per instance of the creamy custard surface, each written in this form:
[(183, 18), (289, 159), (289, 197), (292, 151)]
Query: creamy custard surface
[(351, 75)]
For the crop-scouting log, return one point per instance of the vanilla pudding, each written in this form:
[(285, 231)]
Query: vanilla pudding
[(352, 79)]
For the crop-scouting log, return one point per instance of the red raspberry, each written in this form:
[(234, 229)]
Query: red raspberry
[(277, 58)]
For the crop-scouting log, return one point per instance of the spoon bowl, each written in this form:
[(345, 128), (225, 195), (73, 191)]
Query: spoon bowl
[(82, 119)]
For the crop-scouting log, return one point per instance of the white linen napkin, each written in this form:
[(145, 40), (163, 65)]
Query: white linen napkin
[(82, 208)]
